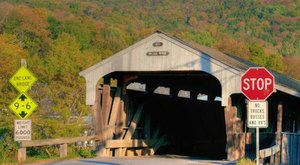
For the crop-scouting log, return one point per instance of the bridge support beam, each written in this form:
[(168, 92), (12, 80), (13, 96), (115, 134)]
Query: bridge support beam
[(21, 154), (278, 130), (234, 136)]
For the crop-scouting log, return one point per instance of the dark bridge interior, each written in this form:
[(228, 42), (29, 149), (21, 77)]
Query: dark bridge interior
[(183, 107)]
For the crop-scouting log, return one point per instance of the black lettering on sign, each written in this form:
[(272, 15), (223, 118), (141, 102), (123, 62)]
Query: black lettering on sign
[(22, 84), (158, 53), (16, 78), (26, 77), (157, 44)]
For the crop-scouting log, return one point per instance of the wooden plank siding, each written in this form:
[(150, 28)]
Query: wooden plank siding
[(133, 143)]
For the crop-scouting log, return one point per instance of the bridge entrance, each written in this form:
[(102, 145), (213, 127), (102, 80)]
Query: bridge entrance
[(179, 112)]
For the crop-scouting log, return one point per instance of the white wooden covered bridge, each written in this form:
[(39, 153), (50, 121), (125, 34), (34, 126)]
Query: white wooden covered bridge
[(164, 96)]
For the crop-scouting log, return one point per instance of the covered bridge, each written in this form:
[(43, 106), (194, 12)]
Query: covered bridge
[(164, 96)]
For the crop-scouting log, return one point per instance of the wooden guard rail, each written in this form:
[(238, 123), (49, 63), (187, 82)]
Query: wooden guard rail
[(63, 143), (270, 152)]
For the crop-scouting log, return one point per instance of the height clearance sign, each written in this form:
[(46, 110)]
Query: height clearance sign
[(23, 106)]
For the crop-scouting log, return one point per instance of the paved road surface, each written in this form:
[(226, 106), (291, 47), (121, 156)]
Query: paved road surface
[(156, 160)]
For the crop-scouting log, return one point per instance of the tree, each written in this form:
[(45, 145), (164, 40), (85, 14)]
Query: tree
[(203, 38), (188, 11), (275, 62), (10, 55), (293, 66), (82, 29), (257, 55), (236, 47), (64, 63), (32, 31), (55, 27), (114, 38)]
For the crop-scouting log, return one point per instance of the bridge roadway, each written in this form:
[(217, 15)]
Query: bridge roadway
[(153, 160)]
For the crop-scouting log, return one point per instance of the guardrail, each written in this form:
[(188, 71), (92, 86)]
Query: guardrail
[(108, 144), (63, 146), (62, 142), (270, 152)]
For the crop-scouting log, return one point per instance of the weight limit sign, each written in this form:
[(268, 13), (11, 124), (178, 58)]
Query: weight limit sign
[(22, 130)]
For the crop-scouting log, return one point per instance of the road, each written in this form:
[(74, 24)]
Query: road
[(155, 160)]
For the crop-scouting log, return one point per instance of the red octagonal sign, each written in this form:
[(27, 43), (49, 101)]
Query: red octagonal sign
[(257, 83)]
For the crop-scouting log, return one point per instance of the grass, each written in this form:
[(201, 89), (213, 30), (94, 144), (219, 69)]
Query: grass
[(41, 157)]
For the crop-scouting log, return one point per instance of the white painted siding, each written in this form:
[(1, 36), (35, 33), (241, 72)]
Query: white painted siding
[(180, 58)]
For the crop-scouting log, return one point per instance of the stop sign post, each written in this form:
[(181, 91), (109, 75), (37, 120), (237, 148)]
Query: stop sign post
[(257, 84)]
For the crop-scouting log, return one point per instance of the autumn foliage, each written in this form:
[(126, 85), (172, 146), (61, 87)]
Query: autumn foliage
[(61, 38)]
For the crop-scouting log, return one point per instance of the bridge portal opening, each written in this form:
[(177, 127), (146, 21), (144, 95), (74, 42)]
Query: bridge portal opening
[(191, 127), (181, 111)]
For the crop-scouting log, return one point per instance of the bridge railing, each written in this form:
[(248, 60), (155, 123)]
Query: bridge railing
[(290, 153), (152, 144), (270, 152), (62, 142)]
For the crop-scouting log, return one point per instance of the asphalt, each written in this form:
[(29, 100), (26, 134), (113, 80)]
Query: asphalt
[(153, 160)]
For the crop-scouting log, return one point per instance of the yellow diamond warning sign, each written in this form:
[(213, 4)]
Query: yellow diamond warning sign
[(23, 106), (23, 79)]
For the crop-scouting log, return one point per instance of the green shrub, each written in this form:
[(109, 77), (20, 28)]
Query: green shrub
[(245, 161), (8, 148), (86, 152)]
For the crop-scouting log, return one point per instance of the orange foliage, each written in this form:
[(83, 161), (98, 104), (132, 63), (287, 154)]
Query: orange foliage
[(232, 46), (10, 55), (60, 14), (293, 66), (5, 10), (146, 32), (33, 20)]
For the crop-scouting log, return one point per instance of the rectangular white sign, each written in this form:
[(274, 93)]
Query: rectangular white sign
[(257, 114), (22, 130)]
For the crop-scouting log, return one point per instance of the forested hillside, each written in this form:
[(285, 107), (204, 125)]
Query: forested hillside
[(62, 37)]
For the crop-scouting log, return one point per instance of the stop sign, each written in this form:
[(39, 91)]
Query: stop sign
[(257, 83)]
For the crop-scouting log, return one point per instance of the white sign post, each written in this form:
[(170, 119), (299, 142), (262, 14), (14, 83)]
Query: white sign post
[(22, 130), (257, 117), (257, 84)]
